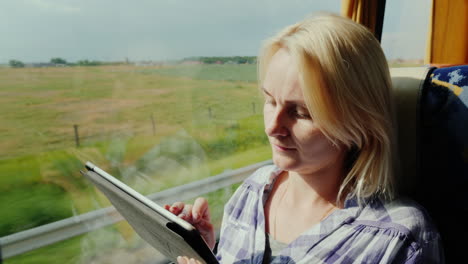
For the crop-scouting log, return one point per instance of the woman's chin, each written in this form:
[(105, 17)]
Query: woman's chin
[(285, 163)]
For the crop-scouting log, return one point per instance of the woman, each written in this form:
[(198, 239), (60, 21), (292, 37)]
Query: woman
[(330, 195)]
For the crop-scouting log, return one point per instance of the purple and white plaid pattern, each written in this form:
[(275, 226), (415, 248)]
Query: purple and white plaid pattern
[(396, 232)]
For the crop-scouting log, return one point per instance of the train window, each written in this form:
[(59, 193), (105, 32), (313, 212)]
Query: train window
[(158, 93), (405, 31)]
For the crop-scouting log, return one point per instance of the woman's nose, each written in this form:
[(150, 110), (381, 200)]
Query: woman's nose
[(275, 123)]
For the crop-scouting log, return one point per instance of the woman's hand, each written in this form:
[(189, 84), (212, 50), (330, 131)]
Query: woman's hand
[(198, 215), (185, 260)]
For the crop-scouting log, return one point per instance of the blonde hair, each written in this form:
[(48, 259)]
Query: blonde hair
[(346, 83)]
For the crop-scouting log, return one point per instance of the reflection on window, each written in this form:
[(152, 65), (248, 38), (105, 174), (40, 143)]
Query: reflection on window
[(158, 94)]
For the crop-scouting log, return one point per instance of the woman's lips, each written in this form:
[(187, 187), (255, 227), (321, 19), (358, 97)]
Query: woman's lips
[(282, 148)]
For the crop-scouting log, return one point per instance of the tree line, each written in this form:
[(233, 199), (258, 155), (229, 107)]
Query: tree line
[(203, 60), (59, 62)]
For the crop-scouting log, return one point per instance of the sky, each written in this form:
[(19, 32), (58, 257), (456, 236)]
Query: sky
[(113, 30)]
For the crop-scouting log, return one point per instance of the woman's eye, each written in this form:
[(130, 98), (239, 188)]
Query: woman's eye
[(304, 115), (301, 114)]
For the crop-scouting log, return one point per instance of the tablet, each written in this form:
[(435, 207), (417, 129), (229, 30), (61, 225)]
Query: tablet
[(166, 232)]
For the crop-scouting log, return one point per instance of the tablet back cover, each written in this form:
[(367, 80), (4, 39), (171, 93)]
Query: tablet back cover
[(152, 226)]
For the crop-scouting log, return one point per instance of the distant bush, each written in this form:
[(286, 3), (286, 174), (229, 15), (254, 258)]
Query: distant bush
[(88, 63), (16, 64), (58, 61), (224, 60)]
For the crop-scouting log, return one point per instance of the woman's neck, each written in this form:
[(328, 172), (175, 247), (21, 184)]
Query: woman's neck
[(300, 201), (319, 188)]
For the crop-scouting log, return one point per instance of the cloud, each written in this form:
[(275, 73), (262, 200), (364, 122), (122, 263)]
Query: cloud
[(36, 30), (54, 6)]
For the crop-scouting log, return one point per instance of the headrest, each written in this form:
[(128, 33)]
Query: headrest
[(408, 84)]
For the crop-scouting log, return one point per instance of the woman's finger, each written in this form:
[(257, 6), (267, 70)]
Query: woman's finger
[(194, 261), (182, 260), (186, 213), (186, 260), (177, 207), (200, 210)]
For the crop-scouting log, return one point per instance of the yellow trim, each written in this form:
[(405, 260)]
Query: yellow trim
[(457, 90)]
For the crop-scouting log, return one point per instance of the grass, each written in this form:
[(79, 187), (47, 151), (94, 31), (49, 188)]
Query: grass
[(69, 253), (31, 206), (103, 243), (404, 64), (42, 105), (206, 120), (233, 72), (165, 162)]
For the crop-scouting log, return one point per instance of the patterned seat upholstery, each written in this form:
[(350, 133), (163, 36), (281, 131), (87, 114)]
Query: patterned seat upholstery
[(434, 150), (443, 179)]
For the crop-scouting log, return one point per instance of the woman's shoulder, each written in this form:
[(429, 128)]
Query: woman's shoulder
[(249, 194), (261, 177), (406, 223), (402, 215)]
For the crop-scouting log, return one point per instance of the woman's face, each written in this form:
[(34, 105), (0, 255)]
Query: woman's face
[(297, 142)]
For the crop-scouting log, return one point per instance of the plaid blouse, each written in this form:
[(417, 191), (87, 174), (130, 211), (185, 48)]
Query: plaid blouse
[(377, 232)]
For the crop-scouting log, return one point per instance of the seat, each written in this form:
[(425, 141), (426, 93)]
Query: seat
[(432, 117)]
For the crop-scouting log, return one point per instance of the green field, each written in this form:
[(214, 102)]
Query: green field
[(153, 127), (40, 106)]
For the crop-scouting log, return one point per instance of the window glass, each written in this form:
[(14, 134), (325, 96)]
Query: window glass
[(157, 93), (405, 31)]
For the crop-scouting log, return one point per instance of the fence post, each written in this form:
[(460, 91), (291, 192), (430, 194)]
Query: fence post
[(253, 107), (154, 125), (77, 136), (210, 114)]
